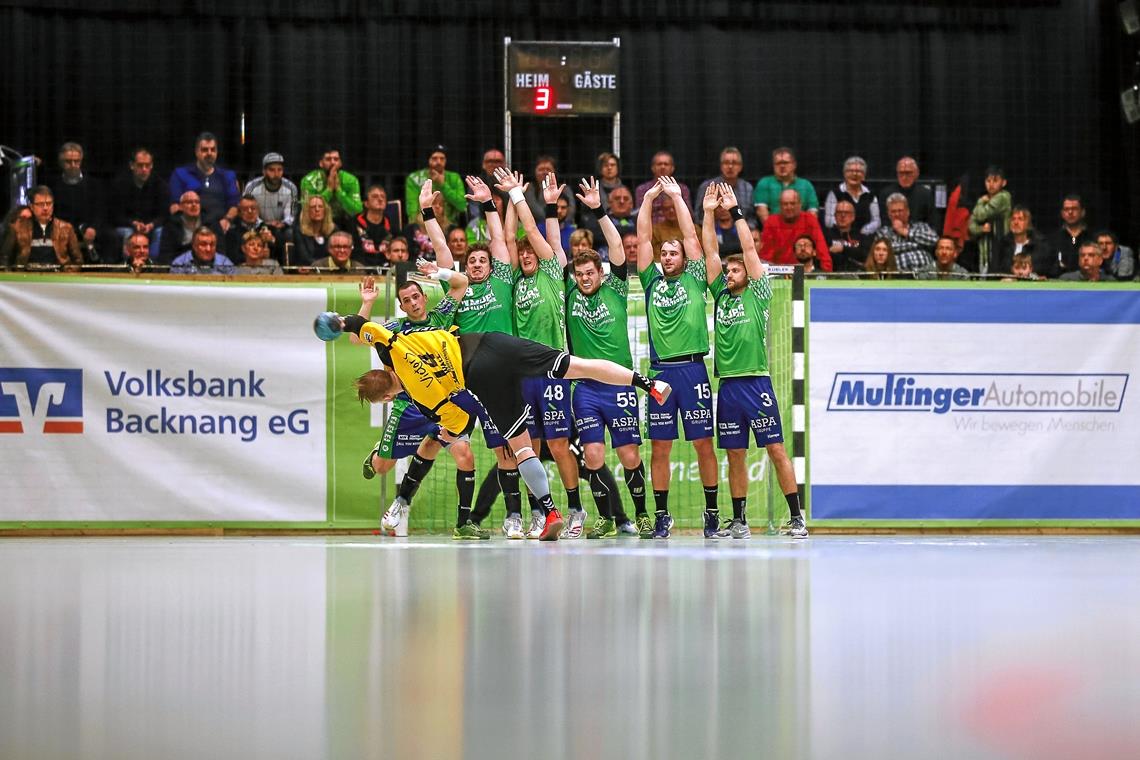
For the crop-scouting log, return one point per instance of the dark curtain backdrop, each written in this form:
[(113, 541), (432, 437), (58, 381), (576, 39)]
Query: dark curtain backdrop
[(1033, 86)]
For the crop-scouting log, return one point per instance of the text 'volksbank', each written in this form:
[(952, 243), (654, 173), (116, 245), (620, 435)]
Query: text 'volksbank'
[(155, 383)]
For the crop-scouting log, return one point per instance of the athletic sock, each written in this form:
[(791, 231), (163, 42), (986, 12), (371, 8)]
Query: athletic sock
[(489, 490), (532, 471), (635, 482), (465, 485), (534, 506), (642, 382), (509, 482), (573, 500), (738, 507), (710, 499), (793, 500), (546, 504), (417, 471), (617, 512), (661, 500), (600, 490)]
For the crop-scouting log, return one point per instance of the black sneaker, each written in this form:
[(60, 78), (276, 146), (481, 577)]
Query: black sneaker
[(712, 526)]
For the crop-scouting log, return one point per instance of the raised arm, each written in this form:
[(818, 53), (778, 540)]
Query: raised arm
[(645, 228), (684, 218), (481, 194), (709, 204), (427, 199), (510, 235), (551, 192), (752, 263), (512, 184), (368, 294), (456, 281), (591, 198)]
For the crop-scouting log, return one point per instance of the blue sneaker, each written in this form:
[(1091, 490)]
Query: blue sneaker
[(663, 525), (712, 526)]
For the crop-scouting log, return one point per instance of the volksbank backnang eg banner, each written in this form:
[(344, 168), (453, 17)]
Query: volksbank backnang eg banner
[(974, 404), (167, 402)]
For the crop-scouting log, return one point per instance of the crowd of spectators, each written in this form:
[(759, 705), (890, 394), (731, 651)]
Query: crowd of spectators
[(203, 220)]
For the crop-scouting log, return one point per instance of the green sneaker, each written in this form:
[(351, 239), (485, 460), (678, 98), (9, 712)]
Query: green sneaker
[(469, 531), (603, 527), (644, 526)]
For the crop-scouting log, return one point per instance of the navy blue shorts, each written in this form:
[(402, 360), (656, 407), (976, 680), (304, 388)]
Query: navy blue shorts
[(598, 406), (549, 404), (691, 400), (743, 404)]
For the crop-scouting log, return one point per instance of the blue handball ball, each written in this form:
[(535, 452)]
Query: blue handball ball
[(327, 326)]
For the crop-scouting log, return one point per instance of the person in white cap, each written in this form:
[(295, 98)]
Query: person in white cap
[(276, 196)]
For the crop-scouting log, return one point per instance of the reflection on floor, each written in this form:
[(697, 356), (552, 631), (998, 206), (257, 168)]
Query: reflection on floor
[(391, 648)]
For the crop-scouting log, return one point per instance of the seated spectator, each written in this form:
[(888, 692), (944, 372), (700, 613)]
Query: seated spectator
[(724, 226), (848, 247), (945, 265), (448, 184), (217, 187), (1064, 241), (989, 221), (339, 260), (249, 220), (139, 200), (731, 170), (911, 242), (8, 234), (276, 196), (609, 175), (1022, 268), (1021, 238), (79, 201), (880, 263), (457, 243), (339, 189), (543, 166), (203, 257), (852, 190), (1118, 262), (41, 240), (373, 229), (397, 250), (782, 229), (179, 229), (254, 256), (416, 233), (311, 234), (580, 242), (493, 158), (136, 251), (767, 195), (1089, 260), (661, 166), (919, 198), (629, 245), (620, 205), (804, 250)]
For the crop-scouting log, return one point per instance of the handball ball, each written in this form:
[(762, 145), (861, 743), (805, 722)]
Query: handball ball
[(327, 325)]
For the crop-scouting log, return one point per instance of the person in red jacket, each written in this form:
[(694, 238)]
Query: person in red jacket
[(781, 230)]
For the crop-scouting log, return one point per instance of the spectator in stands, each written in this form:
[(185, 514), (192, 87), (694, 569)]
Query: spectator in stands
[(919, 198), (8, 233), (543, 166), (848, 246), (566, 226), (989, 221), (1021, 238), (339, 189), (1022, 268), (216, 186), (852, 190), (255, 256), (339, 260), (661, 166), (781, 230), (249, 219), (620, 204), (178, 232), (139, 199), (945, 265), (79, 200), (42, 240), (731, 168), (397, 250), (881, 264), (1064, 241), (609, 175), (766, 196), (457, 244), (493, 158), (203, 257), (1089, 260), (136, 250), (372, 229), (1118, 262), (804, 250), (276, 196), (448, 184), (629, 245), (912, 242), (311, 235), (665, 230), (580, 242)]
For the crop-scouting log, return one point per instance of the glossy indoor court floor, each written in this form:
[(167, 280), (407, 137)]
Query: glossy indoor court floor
[(345, 647)]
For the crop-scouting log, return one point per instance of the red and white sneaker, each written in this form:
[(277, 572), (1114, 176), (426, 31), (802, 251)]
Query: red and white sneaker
[(661, 391), (553, 528)]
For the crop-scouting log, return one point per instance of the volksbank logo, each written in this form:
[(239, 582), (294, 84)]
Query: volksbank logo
[(41, 400), (976, 392)]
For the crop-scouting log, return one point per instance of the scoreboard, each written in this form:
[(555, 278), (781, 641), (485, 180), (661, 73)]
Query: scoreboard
[(562, 78)]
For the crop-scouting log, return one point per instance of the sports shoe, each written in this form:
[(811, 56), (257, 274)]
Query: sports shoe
[(553, 528), (786, 528), (393, 515), (603, 527), (575, 524), (627, 528), (469, 531), (401, 530), (799, 528), (663, 525), (369, 471), (739, 529), (512, 527), (712, 526), (537, 523), (661, 391), (644, 526)]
